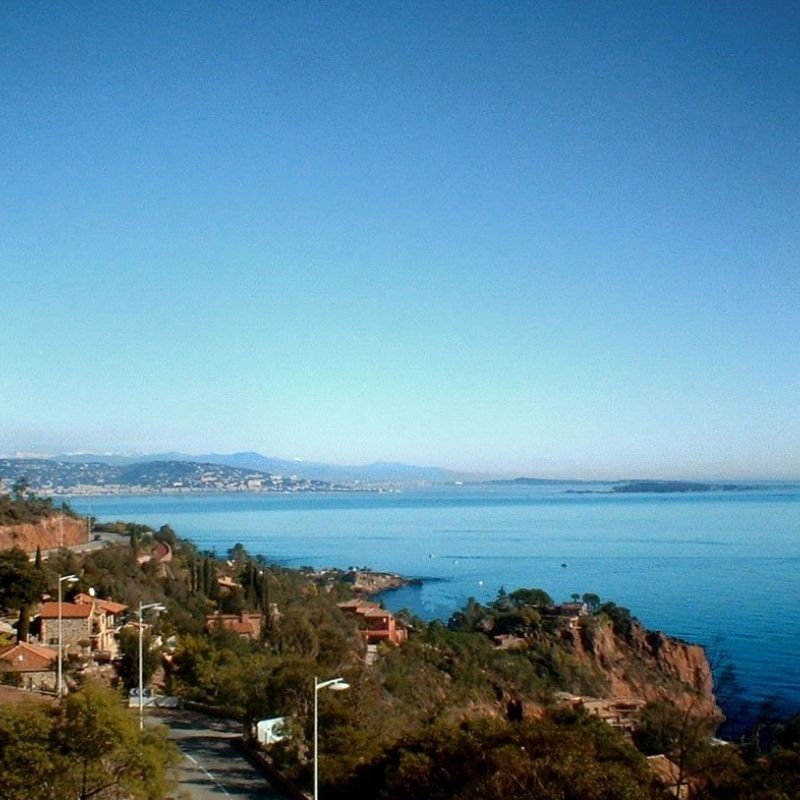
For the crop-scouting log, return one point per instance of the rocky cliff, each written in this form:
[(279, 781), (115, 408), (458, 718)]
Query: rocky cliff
[(46, 533), (638, 664)]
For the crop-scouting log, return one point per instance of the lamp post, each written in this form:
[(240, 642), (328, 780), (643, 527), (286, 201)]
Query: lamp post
[(142, 609), (338, 685), (61, 579)]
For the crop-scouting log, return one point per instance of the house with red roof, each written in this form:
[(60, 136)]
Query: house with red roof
[(30, 665), (379, 624), (88, 625), (244, 625), (161, 555)]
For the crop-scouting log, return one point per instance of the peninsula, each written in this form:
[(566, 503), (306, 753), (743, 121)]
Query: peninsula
[(511, 690)]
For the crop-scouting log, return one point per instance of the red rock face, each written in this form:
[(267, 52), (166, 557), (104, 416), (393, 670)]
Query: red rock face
[(649, 666), (46, 533)]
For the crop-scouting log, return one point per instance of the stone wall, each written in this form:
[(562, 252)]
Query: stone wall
[(43, 681), (72, 631)]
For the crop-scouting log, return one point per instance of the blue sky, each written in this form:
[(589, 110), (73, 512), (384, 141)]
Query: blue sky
[(551, 238)]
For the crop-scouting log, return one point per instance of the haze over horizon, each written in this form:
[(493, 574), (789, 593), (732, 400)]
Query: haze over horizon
[(556, 240), (452, 472)]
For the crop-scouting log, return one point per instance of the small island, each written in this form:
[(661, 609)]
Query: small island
[(678, 487), (667, 487)]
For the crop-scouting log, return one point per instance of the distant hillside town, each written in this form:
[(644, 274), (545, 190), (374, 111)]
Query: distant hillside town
[(51, 477)]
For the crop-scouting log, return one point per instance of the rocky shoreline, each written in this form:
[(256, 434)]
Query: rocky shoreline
[(370, 582), (364, 581)]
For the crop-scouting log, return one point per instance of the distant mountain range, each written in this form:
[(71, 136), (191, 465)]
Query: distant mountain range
[(186, 468), (377, 472)]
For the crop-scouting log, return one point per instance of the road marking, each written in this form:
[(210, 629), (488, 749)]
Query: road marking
[(207, 773), (215, 781)]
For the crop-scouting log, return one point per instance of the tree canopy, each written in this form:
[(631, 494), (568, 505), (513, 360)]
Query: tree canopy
[(90, 749)]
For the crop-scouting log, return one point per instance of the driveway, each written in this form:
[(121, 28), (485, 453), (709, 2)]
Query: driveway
[(212, 767)]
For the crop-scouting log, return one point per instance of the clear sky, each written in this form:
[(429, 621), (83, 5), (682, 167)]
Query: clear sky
[(553, 238)]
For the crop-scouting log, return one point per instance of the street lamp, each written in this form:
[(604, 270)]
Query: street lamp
[(61, 579), (338, 685), (142, 609)]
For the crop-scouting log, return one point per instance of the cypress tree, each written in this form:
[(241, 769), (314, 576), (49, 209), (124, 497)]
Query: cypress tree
[(206, 577), (23, 625), (213, 588), (252, 585), (265, 596)]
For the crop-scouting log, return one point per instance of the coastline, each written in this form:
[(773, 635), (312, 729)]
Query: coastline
[(365, 582), (638, 549)]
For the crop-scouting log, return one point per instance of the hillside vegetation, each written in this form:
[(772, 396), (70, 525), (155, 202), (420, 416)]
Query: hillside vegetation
[(448, 714), (22, 506)]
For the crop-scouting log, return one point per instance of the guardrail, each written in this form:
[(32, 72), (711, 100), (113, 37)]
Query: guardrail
[(158, 701), (261, 762)]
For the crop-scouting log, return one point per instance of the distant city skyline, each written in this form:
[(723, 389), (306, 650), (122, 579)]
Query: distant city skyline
[(547, 239)]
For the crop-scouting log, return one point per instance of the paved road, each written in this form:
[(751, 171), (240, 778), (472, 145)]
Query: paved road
[(212, 768)]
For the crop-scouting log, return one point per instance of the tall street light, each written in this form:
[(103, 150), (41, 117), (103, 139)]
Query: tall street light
[(62, 579), (337, 685), (142, 609)]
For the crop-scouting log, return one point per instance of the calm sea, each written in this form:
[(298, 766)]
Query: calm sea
[(720, 569)]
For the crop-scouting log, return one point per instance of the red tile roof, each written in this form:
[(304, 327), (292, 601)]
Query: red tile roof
[(25, 657), (377, 612), (162, 552), (360, 607), (110, 607), (238, 623), (239, 627), (49, 610)]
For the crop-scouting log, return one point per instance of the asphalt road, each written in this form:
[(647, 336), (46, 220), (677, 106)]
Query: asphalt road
[(212, 767)]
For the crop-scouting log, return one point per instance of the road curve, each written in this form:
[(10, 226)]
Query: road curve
[(212, 768)]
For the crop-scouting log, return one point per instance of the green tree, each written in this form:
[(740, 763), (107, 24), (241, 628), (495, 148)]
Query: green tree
[(469, 618), (28, 765), (592, 601), (91, 749), (167, 534), (682, 735), (20, 489), (530, 597), (238, 554), (20, 585), (128, 666), (106, 754), (562, 757)]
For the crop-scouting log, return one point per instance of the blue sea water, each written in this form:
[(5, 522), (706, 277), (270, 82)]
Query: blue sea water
[(719, 569)]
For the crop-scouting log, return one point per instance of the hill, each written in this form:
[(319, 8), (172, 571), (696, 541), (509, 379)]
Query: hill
[(376, 472), (63, 477), (28, 522)]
